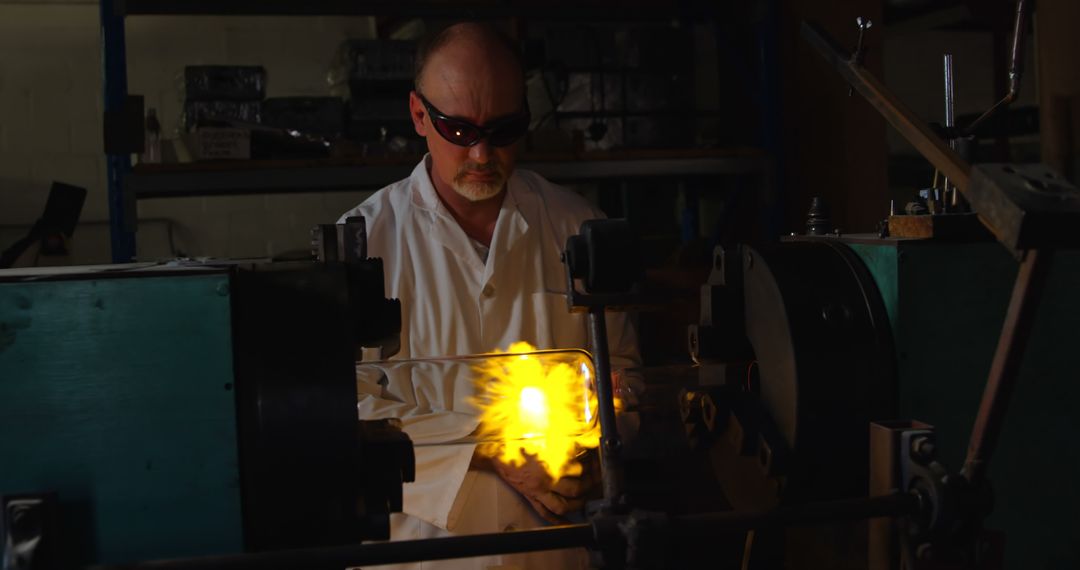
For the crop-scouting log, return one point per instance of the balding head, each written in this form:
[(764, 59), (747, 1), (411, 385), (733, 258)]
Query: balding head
[(469, 49), (470, 73)]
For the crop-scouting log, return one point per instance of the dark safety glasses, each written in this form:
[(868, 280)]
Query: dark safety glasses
[(501, 132)]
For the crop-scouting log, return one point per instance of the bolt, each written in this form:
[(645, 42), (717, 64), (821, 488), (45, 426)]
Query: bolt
[(923, 448), (612, 446)]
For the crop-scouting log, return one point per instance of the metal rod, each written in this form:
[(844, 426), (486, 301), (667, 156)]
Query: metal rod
[(950, 108), (337, 558), (553, 538), (860, 50), (1005, 368), (903, 119), (610, 446), (898, 504), (1016, 68), (950, 113)]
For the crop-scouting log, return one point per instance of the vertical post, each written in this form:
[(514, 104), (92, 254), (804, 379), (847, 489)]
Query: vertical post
[(950, 121), (773, 198), (950, 108), (610, 446), (114, 84), (950, 198), (691, 214)]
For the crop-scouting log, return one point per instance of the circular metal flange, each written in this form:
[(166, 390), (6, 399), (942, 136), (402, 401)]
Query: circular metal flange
[(825, 357)]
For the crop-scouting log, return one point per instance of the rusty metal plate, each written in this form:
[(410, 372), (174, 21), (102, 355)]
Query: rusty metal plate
[(1026, 206)]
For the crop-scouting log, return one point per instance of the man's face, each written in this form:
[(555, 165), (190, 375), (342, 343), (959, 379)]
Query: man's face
[(476, 172)]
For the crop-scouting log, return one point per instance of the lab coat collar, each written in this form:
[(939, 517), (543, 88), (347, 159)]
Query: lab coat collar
[(509, 228)]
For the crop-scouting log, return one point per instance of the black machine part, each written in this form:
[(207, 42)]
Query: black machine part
[(604, 255), (340, 242), (790, 418), (28, 532), (310, 476)]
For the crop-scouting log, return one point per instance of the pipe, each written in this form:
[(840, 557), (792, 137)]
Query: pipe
[(339, 557), (1016, 69), (610, 445), (709, 524)]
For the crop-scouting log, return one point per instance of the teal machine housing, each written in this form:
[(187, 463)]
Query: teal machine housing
[(155, 412), (946, 304), (116, 394)]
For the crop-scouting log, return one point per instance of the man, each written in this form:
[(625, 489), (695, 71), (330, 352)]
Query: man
[(472, 248)]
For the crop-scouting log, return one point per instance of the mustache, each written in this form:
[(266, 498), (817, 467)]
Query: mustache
[(490, 167)]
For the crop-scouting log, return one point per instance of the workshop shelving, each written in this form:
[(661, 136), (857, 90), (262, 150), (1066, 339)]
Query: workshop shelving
[(327, 175), (126, 185)]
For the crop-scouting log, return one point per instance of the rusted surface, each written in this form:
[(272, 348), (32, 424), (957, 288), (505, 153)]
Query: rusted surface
[(966, 227), (914, 227)]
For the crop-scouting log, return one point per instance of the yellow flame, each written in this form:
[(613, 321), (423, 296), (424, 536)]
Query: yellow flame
[(536, 406)]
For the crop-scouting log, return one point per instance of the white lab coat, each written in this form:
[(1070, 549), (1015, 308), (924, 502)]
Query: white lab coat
[(455, 304)]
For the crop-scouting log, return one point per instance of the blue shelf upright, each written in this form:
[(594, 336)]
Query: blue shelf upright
[(114, 69)]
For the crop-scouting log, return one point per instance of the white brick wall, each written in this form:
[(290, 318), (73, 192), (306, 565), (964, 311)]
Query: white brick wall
[(51, 109)]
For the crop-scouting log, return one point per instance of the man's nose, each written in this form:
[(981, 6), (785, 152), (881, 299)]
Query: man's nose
[(480, 152)]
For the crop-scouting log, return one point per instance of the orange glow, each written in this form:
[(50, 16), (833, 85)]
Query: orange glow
[(541, 404)]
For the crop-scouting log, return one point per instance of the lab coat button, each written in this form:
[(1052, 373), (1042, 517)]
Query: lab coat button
[(488, 290)]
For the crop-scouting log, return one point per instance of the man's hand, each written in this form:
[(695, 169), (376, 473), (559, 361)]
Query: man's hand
[(552, 500)]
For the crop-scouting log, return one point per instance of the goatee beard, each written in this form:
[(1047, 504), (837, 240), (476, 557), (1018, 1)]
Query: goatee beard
[(476, 191)]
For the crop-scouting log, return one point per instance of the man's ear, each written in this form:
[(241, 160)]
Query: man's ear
[(417, 112)]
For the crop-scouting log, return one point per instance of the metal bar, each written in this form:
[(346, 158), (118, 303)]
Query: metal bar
[(1005, 368), (1016, 69), (903, 119), (950, 118), (772, 198), (286, 179), (553, 538), (337, 558), (114, 85), (950, 105), (470, 9), (707, 525), (610, 445), (666, 167)]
